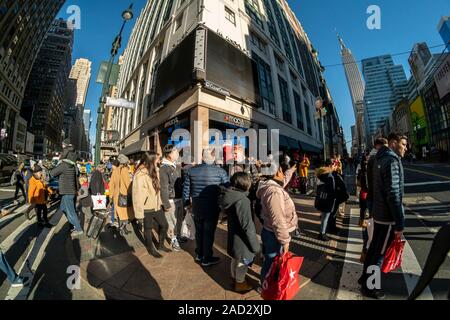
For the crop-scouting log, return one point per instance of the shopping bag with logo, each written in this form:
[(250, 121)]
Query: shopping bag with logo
[(99, 202), (281, 282), (188, 226), (393, 256)]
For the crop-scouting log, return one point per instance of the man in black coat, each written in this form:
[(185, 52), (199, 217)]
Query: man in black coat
[(387, 207), (68, 182)]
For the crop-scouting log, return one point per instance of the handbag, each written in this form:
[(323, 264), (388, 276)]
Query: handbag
[(281, 282), (124, 200), (188, 226), (363, 195), (99, 202), (393, 256)]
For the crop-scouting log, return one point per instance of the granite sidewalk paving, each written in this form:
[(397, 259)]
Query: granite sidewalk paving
[(116, 267)]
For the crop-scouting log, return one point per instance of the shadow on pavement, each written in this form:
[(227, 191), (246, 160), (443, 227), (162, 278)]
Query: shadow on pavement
[(122, 269)]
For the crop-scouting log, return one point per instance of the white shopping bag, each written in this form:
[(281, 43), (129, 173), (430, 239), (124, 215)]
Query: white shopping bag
[(188, 226), (369, 232), (99, 202)]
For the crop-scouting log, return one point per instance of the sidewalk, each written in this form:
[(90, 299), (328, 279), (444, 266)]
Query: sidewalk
[(120, 267)]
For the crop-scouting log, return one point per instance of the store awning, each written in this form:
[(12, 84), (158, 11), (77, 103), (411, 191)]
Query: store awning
[(288, 142), (142, 145), (306, 147)]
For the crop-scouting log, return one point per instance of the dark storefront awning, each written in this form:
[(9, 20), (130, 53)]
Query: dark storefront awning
[(288, 142), (142, 145), (306, 147)]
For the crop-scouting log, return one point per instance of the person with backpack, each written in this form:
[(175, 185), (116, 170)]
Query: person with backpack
[(278, 213), (325, 200), (341, 197), (171, 194), (18, 180), (243, 243)]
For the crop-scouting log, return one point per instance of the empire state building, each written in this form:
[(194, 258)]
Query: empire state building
[(356, 86)]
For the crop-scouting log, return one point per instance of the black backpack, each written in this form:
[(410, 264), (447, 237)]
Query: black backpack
[(326, 196)]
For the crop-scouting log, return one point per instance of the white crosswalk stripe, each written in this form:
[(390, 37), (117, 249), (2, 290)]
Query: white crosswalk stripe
[(34, 258), (348, 285)]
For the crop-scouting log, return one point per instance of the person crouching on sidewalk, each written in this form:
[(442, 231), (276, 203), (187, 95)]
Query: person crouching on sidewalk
[(243, 244), (37, 195)]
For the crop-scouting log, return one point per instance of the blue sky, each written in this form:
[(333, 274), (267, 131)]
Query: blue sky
[(403, 23)]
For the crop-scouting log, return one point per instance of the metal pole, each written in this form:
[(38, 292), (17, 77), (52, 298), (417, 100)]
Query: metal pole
[(105, 92)]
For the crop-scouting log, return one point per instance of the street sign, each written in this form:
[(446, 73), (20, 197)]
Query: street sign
[(120, 103), (102, 74)]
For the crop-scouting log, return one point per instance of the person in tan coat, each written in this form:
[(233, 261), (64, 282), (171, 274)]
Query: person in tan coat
[(120, 186), (147, 202)]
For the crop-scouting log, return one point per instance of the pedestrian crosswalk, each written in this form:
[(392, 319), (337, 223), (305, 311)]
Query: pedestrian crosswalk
[(31, 257), (351, 270)]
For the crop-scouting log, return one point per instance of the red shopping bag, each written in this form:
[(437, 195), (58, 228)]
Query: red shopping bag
[(393, 256), (281, 282)]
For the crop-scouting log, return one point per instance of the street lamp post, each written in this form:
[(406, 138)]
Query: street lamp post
[(126, 15)]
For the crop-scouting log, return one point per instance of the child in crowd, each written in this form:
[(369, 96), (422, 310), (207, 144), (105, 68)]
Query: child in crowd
[(38, 195)]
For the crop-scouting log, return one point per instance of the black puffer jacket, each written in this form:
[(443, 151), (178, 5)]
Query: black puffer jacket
[(68, 175), (242, 240), (388, 189)]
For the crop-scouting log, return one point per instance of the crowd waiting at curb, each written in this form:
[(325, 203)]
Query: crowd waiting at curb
[(158, 193)]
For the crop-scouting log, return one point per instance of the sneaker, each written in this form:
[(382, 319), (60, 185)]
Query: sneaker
[(377, 294), (198, 258), (75, 234), (175, 245), (210, 262), (21, 282), (323, 237)]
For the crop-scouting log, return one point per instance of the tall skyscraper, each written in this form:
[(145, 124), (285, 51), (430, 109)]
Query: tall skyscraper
[(356, 86), (87, 123), (23, 25), (253, 63), (44, 100), (444, 29), (81, 71), (386, 85), (418, 60)]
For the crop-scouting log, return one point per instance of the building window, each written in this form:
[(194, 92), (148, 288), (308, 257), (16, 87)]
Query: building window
[(280, 63), (252, 9), (298, 111), (265, 84), (230, 16), (258, 42), (178, 22), (286, 106)]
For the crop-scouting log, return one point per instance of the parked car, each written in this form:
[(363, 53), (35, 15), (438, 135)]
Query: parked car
[(8, 163)]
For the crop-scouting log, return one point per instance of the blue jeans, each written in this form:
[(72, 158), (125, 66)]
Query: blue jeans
[(324, 222), (7, 269), (68, 207), (271, 248)]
